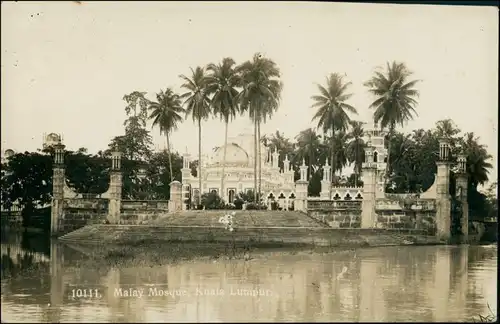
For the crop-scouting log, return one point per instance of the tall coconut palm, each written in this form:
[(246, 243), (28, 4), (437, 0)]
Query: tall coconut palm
[(197, 104), (308, 142), (222, 82), (342, 140), (395, 99), (166, 114), (355, 148), (333, 110), (260, 96)]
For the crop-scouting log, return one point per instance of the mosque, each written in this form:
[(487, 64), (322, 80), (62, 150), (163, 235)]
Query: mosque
[(277, 183)]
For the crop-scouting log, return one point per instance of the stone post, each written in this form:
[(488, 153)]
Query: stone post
[(301, 189), (175, 202), (443, 201), (326, 182), (461, 189), (58, 178), (368, 214), (275, 162), (115, 186)]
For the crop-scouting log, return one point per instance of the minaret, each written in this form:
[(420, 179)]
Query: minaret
[(461, 189), (326, 182), (186, 175), (115, 189), (276, 157), (58, 179), (368, 215), (301, 189), (443, 202), (186, 170)]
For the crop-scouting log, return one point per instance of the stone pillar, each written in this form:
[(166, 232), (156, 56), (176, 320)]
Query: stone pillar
[(275, 162), (326, 182), (115, 186), (301, 189), (175, 202), (58, 178), (368, 215), (443, 201), (461, 189)]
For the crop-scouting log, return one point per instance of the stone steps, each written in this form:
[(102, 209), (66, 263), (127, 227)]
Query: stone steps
[(241, 218)]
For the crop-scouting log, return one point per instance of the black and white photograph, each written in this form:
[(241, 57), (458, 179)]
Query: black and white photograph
[(196, 162)]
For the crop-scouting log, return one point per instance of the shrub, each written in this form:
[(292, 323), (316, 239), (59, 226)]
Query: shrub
[(238, 203), (254, 206), (212, 200)]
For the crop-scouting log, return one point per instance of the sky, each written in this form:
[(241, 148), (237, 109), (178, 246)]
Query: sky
[(65, 67)]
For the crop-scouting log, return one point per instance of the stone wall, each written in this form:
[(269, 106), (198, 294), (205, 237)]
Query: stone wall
[(336, 214), (405, 213), (134, 212), (78, 212)]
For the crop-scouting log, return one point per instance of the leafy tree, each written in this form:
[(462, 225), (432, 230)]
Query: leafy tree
[(27, 180), (395, 99), (158, 177), (166, 115), (197, 104), (332, 110), (260, 96), (87, 173), (137, 142), (222, 83)]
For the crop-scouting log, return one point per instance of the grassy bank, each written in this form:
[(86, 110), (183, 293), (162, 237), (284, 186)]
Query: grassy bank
[(147, 253)]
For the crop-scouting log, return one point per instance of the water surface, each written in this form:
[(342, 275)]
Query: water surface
[(432, 283)]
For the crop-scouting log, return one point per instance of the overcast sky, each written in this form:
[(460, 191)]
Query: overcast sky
[(66, 66)]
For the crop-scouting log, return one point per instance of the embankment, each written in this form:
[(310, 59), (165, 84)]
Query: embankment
[(254, 236)]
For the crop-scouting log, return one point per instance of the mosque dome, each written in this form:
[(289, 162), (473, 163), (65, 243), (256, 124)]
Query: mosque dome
[(9, 153), (235, 155)]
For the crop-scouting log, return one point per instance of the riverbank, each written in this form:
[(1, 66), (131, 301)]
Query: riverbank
[(135, 235)]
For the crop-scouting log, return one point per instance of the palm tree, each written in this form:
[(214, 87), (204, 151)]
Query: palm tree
[(332, 110), (197, 105), (307, 144), (477, 160), (221, 84), (355, 148), (166, 114), (342, 140), (395, 99), (260, 96)]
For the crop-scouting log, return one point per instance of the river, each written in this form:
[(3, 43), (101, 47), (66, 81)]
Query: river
[(43, 279)]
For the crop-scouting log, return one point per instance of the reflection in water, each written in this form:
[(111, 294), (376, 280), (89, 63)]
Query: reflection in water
[(377, 284)]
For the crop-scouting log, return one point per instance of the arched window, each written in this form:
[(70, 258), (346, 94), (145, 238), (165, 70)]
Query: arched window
[(282, 196), (347, 197), (358, 196), (231, 195), (375, 157), (336, 197)]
